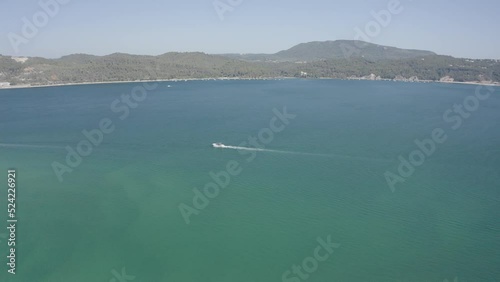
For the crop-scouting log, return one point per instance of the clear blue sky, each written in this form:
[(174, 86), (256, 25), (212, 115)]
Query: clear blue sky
[(461, 28)]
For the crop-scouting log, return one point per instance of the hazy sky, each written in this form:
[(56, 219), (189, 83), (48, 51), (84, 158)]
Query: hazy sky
[(461, 28)]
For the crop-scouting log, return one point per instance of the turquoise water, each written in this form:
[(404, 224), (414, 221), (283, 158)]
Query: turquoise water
[(120, 207)]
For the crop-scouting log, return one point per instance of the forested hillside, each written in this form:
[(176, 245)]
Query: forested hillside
[(375, 62)]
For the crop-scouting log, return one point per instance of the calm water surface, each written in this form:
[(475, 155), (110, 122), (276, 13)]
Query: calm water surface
[(118, 211)]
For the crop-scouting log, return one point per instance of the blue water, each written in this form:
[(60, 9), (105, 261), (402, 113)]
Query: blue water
[(118, 210)]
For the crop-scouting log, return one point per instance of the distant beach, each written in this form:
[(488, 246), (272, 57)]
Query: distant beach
[(24, 86)]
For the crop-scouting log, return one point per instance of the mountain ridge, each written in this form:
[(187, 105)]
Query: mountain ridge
[(338, 49), (327, 59)]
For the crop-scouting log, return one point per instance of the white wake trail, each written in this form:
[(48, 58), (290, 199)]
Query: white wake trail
[(338, 156), (275, 151), (258, 150)]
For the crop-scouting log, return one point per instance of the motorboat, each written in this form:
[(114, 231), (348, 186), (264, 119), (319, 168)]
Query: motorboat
[(218, 145)]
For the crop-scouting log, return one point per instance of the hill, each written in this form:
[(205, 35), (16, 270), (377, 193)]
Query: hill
[(317, 59), (340, 49), (124, 67)]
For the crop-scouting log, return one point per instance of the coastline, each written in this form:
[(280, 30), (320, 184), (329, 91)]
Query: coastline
[(27, 86)]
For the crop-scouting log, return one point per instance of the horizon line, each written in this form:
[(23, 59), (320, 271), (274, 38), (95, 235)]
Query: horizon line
[(239, 53)]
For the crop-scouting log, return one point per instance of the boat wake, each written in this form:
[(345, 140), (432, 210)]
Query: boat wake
[(256, 149), (222, 146), (338, 156)]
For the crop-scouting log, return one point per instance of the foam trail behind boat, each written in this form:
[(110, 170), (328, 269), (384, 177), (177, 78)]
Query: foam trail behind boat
[(257, 149), (363, 159), (276, 151)]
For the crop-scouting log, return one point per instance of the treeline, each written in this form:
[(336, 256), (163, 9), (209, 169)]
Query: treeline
[(427, 68), (123, 67)]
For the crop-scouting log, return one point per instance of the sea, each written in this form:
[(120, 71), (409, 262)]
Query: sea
[(318, 180)]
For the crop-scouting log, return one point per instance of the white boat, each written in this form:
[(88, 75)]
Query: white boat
[(218, 145)]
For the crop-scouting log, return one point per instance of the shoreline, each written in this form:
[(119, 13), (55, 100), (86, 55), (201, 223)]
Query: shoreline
[(27, 86)]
